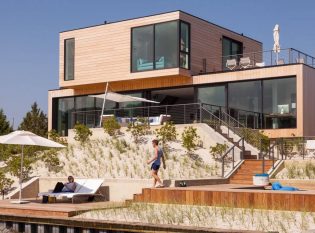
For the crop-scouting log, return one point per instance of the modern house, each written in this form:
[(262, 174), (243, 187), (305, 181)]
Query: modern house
[(187, 64)]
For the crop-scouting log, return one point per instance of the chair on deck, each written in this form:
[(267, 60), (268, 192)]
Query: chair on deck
[(245, 62), (231, 64), (85, 187)]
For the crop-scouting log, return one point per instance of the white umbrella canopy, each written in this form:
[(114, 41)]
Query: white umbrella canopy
[(23, 138), (122, 98), (20, 137), (276, 38)]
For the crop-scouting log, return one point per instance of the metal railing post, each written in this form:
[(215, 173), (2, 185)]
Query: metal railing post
[(200, 113), (222, 167), (263, 164), (184, 114), (233, 159), (303, 147), (243, 148)]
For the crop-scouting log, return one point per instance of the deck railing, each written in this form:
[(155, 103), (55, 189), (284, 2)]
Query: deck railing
[(257, 60)]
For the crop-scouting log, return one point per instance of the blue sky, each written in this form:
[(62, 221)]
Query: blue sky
[(30, 30)]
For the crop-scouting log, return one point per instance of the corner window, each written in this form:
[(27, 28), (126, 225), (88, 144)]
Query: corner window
[(160, 46), (166, 44), (69, 59)]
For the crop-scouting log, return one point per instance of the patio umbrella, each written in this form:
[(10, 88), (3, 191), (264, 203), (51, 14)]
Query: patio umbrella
[(276, 36), (122, 98), (119, 98), (26, 138)]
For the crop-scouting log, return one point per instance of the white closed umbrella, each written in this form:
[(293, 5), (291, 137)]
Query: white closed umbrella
[(23, 138), (276, 38)]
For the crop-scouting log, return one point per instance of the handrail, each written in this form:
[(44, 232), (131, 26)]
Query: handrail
[(233, 154), (271, 150), (218, 119)]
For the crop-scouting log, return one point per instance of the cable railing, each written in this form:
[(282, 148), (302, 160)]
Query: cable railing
[(256, 60)]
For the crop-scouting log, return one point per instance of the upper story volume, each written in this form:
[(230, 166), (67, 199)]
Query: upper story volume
[(173, 44)]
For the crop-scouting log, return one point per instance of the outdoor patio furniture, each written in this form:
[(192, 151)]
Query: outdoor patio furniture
[(231, 64), (245, 62), (260, 64), (159, 120), (106, 117), (145, 65), (85, 188)]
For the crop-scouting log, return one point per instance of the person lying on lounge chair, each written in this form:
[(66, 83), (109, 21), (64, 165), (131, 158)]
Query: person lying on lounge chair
[(70, 185), (67, 187)]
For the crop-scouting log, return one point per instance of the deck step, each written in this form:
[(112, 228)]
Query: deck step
[(250, 167)]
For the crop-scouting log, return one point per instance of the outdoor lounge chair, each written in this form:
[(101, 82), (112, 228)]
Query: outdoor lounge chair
[(159, 120), (85, 188), (231, 64), (245, 62)]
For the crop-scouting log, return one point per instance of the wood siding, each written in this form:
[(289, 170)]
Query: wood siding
[(308, 101), (102, 53), (206, 42)]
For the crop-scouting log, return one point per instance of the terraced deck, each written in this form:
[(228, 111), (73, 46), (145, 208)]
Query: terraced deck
[(231, 195), (60, 209)]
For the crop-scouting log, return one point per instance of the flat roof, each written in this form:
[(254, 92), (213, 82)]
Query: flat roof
[(119, 21)]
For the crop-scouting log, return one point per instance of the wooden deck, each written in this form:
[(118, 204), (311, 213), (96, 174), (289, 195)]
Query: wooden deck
[(231, 195), (60, 209)]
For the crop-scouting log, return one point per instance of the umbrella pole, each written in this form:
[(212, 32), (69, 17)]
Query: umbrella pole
[(21, 174)]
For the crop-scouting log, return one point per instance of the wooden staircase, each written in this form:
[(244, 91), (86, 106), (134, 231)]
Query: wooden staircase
[(250, 167), (247, 153)]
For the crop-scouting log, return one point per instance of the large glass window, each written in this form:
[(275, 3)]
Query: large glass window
[(231, 49), (214, 95), (279, 103), (142, 48), (245, 96), (69, 59), (245, 102), (184, 45), (65, 107), (159, 46), (166, 46)]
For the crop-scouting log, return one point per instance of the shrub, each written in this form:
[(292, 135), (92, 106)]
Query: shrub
[(53, 135), (166, 134), (51, 160), (190, 139), (139, 128), (120, 145), (256, 139), (218, 150), (14, 166), (111, 126), (82, 133), (5, 184)]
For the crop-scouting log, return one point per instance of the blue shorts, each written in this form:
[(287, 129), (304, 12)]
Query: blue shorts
[(155, 167)]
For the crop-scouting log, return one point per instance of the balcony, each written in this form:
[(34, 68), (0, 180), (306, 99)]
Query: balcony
[(255, 60)]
